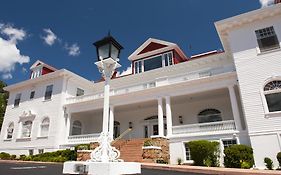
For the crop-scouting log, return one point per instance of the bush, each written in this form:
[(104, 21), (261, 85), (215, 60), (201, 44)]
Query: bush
[(179, 161), (238, 156), (82, 147), (279, 159), (22, 157), (148, 142), (13, 157), (204, 153), (268, 163), (4, 156)]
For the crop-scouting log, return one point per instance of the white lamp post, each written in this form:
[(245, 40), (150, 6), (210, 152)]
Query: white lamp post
[(104, 159), (108, 51)]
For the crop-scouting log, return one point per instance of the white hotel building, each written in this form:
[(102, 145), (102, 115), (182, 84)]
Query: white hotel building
[(233, 96)]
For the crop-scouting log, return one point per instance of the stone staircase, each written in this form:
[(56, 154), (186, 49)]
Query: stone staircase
[(131, 150)]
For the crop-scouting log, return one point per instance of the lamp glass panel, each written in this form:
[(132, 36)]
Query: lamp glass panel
[(114, 52), (103, 51)]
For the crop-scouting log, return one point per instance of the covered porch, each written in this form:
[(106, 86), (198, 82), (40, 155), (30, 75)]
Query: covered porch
[(208, 112)]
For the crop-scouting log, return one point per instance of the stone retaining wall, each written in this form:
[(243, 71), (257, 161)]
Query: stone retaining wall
[(155, 154)]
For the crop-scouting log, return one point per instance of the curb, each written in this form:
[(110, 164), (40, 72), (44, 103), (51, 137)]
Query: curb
[(209, 170), (35, 162)]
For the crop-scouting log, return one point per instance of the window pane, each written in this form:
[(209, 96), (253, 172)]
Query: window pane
[(153, 63), (267, 39), (273, 102), (26, 129), (187, 152), (79, 92), (227, 143), (17, 100), (49, 91), (32, 94), (10, 131)]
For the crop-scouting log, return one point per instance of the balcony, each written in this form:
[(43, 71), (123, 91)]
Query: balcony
[(205, 128), (161, 81), (81, 139)]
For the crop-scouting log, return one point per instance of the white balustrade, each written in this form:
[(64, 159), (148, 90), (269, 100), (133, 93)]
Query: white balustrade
[(86, 138), (204, 127), (161, 81)]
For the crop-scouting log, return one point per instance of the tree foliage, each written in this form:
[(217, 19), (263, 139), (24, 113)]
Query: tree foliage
[(3, 101)]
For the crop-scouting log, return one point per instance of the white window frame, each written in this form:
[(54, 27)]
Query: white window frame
[(42, 124), (12, 133), (263, 98), (22, 129), (162, 57)]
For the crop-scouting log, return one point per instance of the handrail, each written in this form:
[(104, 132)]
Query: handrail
[(122, 135), (205, 124)]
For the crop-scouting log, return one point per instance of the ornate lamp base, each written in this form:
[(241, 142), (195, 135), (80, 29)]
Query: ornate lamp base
[(105, 152)]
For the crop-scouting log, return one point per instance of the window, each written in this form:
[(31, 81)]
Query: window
[(116, 131), (209, 115), (229, 142), (31, 152), (40, 151), (187, 152), (26, 128), (17, 100), (272, 92), (45, 127), (32, 93), (154, 62), (76, 128), (10, 131), (48, 92), (79, 92), (267, 39)]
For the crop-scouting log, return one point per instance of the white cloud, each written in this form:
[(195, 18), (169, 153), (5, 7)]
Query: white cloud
[(50, 37), (9, 53), (73, 50), (265, 3), (14, 34), (126, 72), (7, 76), (24, 70)]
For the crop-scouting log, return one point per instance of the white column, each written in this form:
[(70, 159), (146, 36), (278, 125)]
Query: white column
[(111, 121), (169, 116), (235, 109), (68, 124), (160, 118), (106, 106)]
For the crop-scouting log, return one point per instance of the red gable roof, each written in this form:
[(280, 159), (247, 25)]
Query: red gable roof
[(152, 46)]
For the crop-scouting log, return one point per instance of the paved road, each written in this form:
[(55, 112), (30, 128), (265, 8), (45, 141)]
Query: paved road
[(20, 168)]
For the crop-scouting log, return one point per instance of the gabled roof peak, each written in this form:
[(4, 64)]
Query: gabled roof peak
[(39, 62), (152, 46)]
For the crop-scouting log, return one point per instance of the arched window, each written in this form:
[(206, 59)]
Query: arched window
[(77, 128), (26, 128), (272, 92), (10, 131), (209, 115), (45, 127)]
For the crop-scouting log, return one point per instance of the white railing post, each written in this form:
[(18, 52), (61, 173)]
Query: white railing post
[(111, 121)]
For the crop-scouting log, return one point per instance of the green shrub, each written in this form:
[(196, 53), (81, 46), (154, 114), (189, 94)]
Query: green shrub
[(82, 147), (268, 163), (13, 157), (279, 158), (204, 153), (5, 156), (236, 155), (148, 142), (22, 157), (179, 161)]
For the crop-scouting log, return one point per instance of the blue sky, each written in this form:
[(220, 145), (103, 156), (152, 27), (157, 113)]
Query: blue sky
[(72, 27)]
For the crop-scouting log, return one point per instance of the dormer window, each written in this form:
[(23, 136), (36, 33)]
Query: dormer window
[(158, 61), (37, 72)]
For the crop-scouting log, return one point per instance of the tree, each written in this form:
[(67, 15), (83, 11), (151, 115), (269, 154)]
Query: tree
[(3, 101)]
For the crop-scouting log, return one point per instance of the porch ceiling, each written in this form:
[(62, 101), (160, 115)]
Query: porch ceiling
[(134, 106), (200, 96)]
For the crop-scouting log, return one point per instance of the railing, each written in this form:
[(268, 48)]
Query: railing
[(205, 127), (122, 135), (161, 81), (86, 138)]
